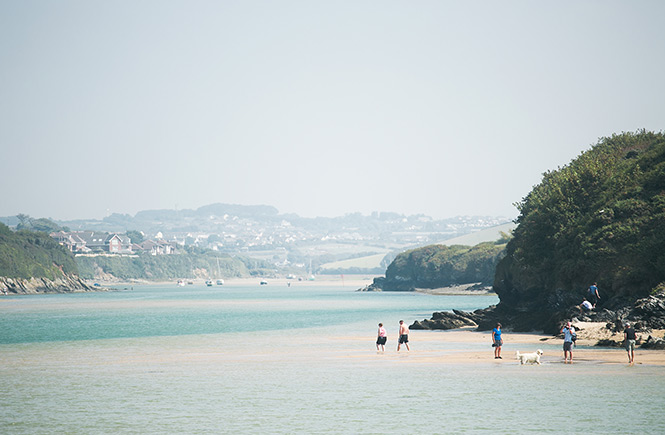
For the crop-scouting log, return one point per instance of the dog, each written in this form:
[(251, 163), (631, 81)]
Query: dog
[(529, 357)]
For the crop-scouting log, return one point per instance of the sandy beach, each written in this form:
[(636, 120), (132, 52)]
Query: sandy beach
[(462, 348)]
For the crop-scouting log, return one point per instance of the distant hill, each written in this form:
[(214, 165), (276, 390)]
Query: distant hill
[(487, 235), (370, 264), (377, 263)]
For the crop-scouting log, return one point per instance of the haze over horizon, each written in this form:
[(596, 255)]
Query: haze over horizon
[(439, 108)]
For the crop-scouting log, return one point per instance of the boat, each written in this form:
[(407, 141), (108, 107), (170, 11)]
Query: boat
[(220, 282), (209, 282), (264, 282), (181, 283)]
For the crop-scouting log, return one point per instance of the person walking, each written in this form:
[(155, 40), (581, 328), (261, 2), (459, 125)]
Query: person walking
[(403, 336), (568, 334), (629, 341), (381, 338), (497, 342), (593, 294)]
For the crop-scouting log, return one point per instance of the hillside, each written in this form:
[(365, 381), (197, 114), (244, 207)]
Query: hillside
[(438, 266), (599, 219), (27, 254), (33, 262), (205, 264)]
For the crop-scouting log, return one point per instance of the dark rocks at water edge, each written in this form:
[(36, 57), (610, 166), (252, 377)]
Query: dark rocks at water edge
[(63, 284), (645, 314), (483, 319), (445, 320)]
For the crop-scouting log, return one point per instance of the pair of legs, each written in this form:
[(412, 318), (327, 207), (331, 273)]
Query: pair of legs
[(567, 351), (497, 352), (630, 348), (403, 339)]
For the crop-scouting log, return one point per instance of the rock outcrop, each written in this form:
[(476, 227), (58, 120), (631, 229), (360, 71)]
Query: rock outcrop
[(645, 315), (446, 320), (64, 284)]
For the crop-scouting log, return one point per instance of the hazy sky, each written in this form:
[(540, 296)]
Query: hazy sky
[(315, 107)]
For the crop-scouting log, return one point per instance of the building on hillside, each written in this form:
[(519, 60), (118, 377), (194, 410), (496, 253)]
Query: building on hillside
[(94, 242), (70, 241), (157, 247)]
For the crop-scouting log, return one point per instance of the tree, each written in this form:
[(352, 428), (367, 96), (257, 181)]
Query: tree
[(135, 236)]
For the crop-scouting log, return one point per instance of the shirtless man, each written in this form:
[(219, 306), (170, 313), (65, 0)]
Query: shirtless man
[(403, 336)]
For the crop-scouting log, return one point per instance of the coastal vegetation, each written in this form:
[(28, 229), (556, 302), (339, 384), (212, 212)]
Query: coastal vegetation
[(601, 218), (436, 266), (192, 263), (29, 254)]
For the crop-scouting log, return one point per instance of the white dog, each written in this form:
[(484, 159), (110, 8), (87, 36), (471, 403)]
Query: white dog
[(529, 357)]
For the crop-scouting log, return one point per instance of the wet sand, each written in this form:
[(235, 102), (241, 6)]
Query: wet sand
[(462, 347)]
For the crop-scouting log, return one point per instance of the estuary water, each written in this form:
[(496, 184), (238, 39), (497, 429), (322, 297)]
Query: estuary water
[(277, 359)]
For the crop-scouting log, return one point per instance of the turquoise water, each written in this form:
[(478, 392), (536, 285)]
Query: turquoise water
[(287, 360), (156, 311)]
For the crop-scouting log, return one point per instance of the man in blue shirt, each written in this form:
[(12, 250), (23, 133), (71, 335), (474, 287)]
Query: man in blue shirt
[(568, 332), (593, 295)]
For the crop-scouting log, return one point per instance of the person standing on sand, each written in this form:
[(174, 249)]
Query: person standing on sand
[(497, 342), (403, 336), (381, 338), (568, 332), (629, 341)]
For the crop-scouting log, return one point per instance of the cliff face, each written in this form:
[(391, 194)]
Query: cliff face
[(599, 219), (62, 284)]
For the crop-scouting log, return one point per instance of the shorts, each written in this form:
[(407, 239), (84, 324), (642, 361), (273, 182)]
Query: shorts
[(630, 345), (567, 345), (381, 340), (404, 338)]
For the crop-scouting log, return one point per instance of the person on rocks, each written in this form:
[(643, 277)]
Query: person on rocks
[(568, 334), (585, 306), (381, 338), (497, 341), (403, 336), (629, 341), (593, 295)]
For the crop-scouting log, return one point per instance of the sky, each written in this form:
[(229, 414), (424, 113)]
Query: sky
[(318, 108)]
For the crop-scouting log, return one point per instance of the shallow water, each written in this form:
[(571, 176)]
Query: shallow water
[(278, 360)]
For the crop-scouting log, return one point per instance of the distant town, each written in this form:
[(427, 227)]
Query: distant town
[(260, 232)]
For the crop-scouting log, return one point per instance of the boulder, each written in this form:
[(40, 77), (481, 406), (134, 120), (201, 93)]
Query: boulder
[(444, 320), (653, 343)]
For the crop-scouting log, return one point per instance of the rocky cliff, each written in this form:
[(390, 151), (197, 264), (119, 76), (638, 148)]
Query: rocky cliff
[(62, 284)]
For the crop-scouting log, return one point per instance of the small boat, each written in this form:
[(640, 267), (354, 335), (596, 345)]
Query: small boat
[(181, 283), (264, 282), (220, 282), (209, 282)]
